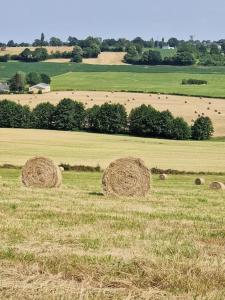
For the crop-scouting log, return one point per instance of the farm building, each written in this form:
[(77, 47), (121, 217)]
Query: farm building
[(4, 88), (40, 88)]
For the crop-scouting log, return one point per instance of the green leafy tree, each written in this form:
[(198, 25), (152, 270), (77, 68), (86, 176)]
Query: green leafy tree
[(69, 115), (54, 41), (33, 78), (144, 121), (154, 57), (107, 118), (42, 116), (17, 82), (77, 54), (132, 56), (173, 42), (184, 58), (40, 54), (45, 78), (202, 129), (13, 115), (180, 129)]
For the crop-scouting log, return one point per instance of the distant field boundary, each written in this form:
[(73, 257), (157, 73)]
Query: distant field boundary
[(98, 169)]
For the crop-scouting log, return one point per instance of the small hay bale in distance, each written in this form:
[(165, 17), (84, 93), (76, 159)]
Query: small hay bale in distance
[(163, 176), (61, 169), (41, 172), (216, 185), (199, 181), (127, 177)]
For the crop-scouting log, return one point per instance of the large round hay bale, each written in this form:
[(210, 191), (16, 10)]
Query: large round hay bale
[(199, 181), (126, 177), (163, 176), (216, 185), (41, 172)]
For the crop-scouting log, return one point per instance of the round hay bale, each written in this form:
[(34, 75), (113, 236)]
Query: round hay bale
[(126, 177), (216, 185), (199, 181), (41, 172), (163, 176), (61, 169)]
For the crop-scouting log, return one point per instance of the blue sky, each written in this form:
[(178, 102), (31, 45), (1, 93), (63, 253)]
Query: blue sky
[(24, 20)]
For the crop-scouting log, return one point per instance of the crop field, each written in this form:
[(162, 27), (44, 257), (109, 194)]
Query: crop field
[(163, 79), (50, 49), (126, 81), (80, 148), (181, 106), (75, 243)]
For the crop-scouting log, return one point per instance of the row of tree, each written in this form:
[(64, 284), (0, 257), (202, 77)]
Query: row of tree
[(115, 44), (186, 54), (71, 115), (20, 81)]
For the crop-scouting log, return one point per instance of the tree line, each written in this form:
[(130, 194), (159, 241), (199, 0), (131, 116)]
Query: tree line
[(144, 121), (139, 51)]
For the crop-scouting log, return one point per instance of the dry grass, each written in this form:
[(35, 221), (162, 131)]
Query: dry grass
[(79, 148), (107, 58), (175, 104), (50, 49), (78, 244)]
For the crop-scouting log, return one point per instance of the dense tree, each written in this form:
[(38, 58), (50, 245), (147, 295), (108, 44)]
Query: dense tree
[(154, 57), (132, 56), (26, 55), (45, 78), (42, 116), (13, 115), (184, 58), (17, 82), (33, 78), (107, 118), (143, 121), (214, 50), (40, 54), (54, 41), (173, 42), (69, 115), (77, 54), (180, 129), (202, 129)]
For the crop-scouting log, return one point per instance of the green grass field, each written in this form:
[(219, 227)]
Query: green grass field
[(75, 243), (163, 79), (79, 148), (141, 82)]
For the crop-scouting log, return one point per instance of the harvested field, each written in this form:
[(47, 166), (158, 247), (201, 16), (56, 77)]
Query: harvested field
[(176, 104), (78, 244), (106, 58), (50, 49), (89, 149)]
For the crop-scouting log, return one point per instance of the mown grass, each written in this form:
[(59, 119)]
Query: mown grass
[(148, 82), (163, 79), (75, 243), (82, 148)]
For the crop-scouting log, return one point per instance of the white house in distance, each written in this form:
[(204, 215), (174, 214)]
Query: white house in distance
[(40, 88)]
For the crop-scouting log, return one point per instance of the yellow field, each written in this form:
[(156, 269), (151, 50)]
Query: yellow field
[(18, 50), (176, 104), (17, 145), (107, 58)]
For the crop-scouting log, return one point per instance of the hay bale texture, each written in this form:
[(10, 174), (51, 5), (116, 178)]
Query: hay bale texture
[(199, 181), (163, 176), (216, 185), (127, 177), (41, 172)]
